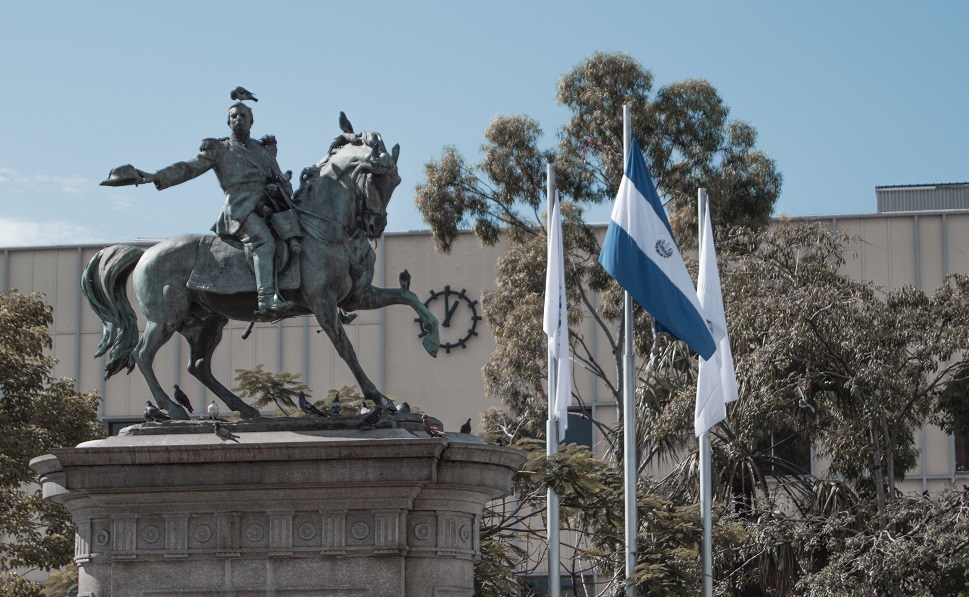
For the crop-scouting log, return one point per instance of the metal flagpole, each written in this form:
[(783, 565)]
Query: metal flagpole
[(551, 437), (629, 453), (706, 473)]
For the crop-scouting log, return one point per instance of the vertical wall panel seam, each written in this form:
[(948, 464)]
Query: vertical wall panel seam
[(77, 322)]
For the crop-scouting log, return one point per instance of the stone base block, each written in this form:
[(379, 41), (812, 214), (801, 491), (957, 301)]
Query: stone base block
[(384, 513)]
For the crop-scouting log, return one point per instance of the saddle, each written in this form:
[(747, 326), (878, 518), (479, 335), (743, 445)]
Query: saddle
[(223, 266)]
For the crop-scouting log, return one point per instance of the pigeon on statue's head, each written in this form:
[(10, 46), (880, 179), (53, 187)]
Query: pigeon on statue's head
[(241, 93), (345, 125)]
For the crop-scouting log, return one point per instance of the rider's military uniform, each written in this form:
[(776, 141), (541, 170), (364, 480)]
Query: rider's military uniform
[(246, 173)]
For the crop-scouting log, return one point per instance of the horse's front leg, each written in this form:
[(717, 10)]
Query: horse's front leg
[(377, 298), (329, 322)]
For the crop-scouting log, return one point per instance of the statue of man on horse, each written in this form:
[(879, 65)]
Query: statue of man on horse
[(194, 284), (255, 191)]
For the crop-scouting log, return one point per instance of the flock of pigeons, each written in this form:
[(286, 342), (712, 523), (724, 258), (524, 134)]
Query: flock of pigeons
[(153, 414)]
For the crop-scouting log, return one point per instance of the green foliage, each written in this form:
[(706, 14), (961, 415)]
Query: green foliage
[(823, 359), (37, 413), (263, 387), (59, 582), (12, 585)]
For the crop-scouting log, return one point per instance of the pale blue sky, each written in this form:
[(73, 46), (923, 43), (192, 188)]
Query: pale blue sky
[(845, 95)]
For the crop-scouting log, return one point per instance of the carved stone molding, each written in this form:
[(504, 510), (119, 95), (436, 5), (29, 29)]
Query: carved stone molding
[(200, 518)]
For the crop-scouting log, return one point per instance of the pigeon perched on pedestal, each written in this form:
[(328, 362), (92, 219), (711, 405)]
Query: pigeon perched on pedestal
[(213, 410), (466, 427), (432, 429), (224, 434), (308, 407), (241, 93), (153, 414), (335, 406), (371, 419), (403, 408), (182, 399), (404, 279)]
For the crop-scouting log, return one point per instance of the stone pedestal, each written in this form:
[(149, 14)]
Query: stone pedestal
[(315, 513)]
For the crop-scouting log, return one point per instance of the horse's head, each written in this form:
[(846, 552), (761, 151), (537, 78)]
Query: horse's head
[(362, 166)]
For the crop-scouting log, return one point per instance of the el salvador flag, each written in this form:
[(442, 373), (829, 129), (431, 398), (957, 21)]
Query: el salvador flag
[(640, 253)]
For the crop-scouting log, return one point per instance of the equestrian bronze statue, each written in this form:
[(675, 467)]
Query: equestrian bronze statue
[(274, 256)]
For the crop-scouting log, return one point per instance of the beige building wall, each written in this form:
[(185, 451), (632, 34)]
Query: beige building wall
[(894, 249)]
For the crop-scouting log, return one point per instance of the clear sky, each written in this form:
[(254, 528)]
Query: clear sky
[(844, 95)]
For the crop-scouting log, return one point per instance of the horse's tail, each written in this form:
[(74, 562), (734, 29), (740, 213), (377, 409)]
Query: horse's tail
[(103, 283)]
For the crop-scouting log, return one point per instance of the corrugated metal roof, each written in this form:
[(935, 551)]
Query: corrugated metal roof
[(923, 197)]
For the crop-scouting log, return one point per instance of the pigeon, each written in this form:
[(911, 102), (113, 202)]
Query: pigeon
[(430, 428), (213, 410), (371, 419), (241, 93), (308, 407), (182, 399), (345, 125), (403, 408), (224, 434), (466, 427), (153, 414), (405, 280), (335, 406)]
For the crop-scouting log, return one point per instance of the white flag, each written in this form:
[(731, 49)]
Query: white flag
[(717, 383), (556, 324)]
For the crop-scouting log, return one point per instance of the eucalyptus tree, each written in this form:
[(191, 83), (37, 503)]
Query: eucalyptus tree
[(688, 141)]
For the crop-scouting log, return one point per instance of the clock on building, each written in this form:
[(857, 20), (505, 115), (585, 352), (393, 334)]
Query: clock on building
[(457, 314)]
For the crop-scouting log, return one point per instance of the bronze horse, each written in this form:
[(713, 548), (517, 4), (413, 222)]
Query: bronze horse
[(342, 206)]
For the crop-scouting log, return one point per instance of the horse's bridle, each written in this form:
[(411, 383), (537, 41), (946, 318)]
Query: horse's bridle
[(366, 221)]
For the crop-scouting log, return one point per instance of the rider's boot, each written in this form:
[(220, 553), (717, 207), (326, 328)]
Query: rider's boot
[(270, 303)]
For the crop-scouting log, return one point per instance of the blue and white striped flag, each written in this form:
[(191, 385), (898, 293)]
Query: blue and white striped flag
[(640, 253)]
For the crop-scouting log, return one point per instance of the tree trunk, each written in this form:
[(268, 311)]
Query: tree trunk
[(879, 477), (889, 460)]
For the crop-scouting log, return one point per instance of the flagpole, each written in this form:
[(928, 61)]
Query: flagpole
[(706, 472), (629, 403), (551, 436)]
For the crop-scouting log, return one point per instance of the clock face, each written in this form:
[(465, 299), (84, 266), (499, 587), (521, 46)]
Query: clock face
[(457, 315)]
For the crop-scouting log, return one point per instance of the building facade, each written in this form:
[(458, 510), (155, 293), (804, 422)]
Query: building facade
[(918, 247)]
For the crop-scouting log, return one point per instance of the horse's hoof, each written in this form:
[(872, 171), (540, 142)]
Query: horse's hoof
[(431, 346)]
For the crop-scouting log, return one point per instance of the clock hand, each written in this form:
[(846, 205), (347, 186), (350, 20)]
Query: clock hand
[(450, 312)]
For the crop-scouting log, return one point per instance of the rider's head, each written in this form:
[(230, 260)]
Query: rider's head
[(240, 116)]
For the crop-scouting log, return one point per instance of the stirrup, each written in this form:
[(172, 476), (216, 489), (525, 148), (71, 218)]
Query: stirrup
[(273, 304)]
